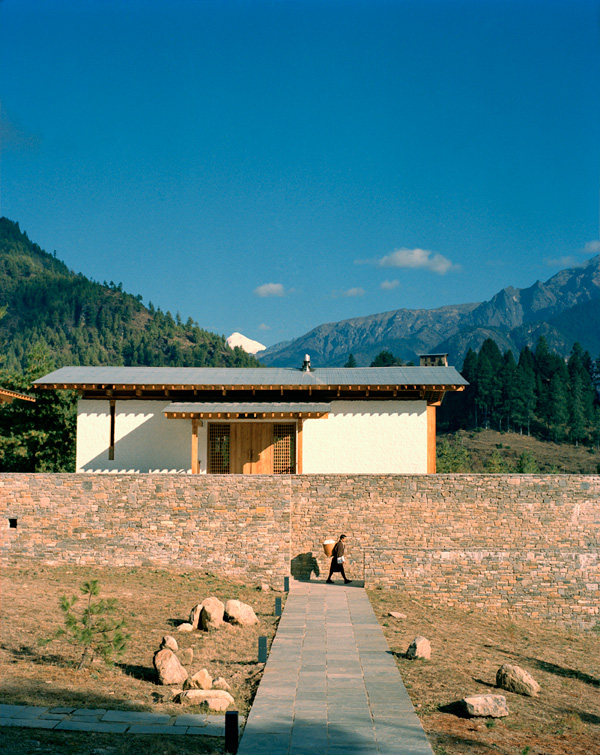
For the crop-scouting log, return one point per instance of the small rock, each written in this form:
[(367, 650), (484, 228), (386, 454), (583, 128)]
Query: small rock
[(490, 706), (419, 648), (211, 616), (265, 587), (186, 656), (240, 613), (516, 679), (185, 627), (220, 683), (166, 695), (201, 680), (195, 615), (396, 615), (215, 699), (169, 670), (169, 642)]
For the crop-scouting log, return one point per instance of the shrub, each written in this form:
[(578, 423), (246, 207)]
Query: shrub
[(94, 628)]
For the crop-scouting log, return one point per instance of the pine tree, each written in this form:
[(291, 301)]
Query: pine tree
[(351, 361), (385, 358), (557, 413), (526, 397), (576, 409), (510, 388)]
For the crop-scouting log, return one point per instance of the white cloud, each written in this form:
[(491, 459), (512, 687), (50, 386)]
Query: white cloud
[(418, 258), (389, 285), (592, 247), (414, 259), (270, 289), (567, 261), (264, 326), (350, 292)]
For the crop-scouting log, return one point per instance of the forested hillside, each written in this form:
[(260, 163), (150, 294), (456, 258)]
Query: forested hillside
[(50, 317), (87, 323), (541, 394)]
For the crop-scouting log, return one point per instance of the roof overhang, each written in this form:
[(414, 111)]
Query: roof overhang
[(249, 410), (7, 397)]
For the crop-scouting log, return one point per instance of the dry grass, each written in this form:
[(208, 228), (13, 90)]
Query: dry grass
[(467, 650), (154, 602), (557, 458)]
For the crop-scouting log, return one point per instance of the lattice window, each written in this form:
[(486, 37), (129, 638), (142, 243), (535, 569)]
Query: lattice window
[(218, 448), (284, 449)]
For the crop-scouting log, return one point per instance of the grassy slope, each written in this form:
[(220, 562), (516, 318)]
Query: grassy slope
[(551, 457)]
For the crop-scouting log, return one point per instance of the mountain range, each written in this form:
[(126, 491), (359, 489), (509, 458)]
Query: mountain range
[(564, 309)]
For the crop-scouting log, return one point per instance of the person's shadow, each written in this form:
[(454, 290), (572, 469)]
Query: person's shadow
[(303, 566)]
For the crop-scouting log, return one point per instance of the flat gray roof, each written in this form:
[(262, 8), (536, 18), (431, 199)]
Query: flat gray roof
[(250, 376)]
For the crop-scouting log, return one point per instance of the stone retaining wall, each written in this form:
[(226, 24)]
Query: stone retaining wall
[(529, 543)]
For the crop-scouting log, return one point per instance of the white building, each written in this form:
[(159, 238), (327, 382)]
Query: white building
[(256, 420)]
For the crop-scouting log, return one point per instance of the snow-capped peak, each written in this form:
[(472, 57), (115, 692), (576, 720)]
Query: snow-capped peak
[(249, 346)]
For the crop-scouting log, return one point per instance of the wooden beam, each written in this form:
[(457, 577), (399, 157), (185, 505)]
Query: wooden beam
[(299, 448), (195, 464), (431, 446), (111, 441)]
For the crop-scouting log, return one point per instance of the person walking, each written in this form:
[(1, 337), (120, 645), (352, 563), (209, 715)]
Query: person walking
[(337, 561)]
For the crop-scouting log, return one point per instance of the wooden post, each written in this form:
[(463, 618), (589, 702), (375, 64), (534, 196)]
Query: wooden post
[(299, 449), (111, 442), (431, 448), (195, 464)]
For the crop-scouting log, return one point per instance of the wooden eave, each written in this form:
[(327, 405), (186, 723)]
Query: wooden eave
[(246, 415), (432, 393), (7, 397)]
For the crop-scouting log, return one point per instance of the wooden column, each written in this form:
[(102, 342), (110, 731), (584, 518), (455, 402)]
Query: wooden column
[(111, 441), (431, 439), (195, 465), (299, 448)]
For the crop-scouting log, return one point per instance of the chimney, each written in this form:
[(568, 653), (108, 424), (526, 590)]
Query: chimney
[(306, 363)]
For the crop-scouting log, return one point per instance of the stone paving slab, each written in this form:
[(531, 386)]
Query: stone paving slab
[(111, 721), (331, 685)]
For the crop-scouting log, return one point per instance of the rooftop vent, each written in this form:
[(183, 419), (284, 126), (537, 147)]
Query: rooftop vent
[(306, 363)]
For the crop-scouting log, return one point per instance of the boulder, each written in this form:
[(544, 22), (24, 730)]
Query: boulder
[(169, 670), (186, 656), (185, 627), (516, 679), (201, 680), (220, 683), (240, 613), (214, 699), (396, 615), (169, 642), (195, 615), (211, 616), (265, 587), (419, 648), (491, 706)]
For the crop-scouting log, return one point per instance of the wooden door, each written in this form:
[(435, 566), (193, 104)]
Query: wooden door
[(251, 448)]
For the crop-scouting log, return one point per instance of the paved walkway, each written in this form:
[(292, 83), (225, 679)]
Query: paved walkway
[(331, 685), (110, 721)]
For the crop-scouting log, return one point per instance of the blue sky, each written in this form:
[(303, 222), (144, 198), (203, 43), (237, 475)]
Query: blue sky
[(269, 166)]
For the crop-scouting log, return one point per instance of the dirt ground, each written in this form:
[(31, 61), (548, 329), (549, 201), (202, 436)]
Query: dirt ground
[(551, 458), (467, 649), (154, 602)]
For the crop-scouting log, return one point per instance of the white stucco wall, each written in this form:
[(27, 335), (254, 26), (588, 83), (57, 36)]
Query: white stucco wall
[(367, 437), (145, 441), (357, 437)]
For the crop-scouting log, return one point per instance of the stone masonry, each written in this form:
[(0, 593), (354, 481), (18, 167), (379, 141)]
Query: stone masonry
[(528, 543)]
